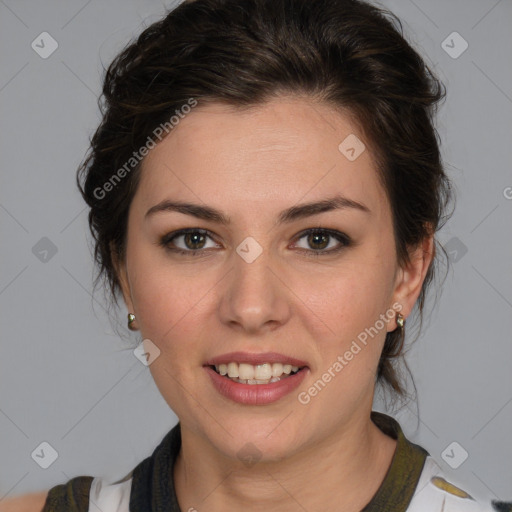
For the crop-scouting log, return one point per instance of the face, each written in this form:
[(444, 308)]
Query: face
[(260, 278)]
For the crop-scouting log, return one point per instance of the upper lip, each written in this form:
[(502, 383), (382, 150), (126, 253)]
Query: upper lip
[(255, 359)]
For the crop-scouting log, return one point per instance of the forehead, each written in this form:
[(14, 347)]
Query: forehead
[(284, 151)]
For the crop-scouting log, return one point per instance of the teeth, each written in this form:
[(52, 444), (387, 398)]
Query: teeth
[(277, 370), (257, 381), (232, 370), (263, 372), (255, 374), (246, 371)]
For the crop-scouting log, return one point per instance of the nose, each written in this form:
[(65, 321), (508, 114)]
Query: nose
[(255, 298)]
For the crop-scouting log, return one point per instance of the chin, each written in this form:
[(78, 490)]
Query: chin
[(256, 436)]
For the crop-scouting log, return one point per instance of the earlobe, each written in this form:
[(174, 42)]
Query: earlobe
[(122, 277), (411, 277)]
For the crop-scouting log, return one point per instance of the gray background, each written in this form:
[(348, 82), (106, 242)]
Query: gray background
[(67, 377)]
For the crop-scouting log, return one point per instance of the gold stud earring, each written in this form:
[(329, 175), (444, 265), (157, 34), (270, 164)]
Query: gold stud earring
[(131, 319), (400, 320)]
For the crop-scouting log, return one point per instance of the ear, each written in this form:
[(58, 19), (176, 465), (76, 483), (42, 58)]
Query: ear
[(409, 279), (122, 276)]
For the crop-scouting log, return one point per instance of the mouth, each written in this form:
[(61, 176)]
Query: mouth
[(265, 373), (256, 379)]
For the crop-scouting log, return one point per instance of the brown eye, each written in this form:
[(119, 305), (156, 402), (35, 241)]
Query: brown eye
[(323, 241), (318, 240), (188, 241), (194, 240)]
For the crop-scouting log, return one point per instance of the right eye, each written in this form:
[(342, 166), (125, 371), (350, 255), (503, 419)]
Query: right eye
[(191, 241)]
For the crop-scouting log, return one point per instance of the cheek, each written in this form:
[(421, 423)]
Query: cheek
[(166, 297), (169, 307), (351, 308), (356, 294), (349, 350)]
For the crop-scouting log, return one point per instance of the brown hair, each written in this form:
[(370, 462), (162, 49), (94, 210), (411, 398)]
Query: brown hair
[(346, 53)]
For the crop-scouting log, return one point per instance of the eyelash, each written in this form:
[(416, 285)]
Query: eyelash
[(344, 240)]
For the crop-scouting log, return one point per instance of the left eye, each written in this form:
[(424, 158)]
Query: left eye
[(324, 241)]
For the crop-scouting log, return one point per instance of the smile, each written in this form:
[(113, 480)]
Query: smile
[(265, 373)]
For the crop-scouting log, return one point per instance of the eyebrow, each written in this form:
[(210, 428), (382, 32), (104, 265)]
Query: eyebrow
[(286, 216)]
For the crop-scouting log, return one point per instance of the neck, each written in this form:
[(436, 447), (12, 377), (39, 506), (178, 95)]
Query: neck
[(348, 465)]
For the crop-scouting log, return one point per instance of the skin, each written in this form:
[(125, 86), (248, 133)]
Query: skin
[(33, 502), (252, 164)]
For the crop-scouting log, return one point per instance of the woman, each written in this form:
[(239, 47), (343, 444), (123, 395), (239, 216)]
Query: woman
[(264, 192)]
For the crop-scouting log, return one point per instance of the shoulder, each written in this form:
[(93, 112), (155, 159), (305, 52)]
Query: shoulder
[(75, 496), (72, 496), (436, 492), (33, 502)]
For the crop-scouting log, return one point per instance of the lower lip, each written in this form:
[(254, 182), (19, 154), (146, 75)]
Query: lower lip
[(255, 394)]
